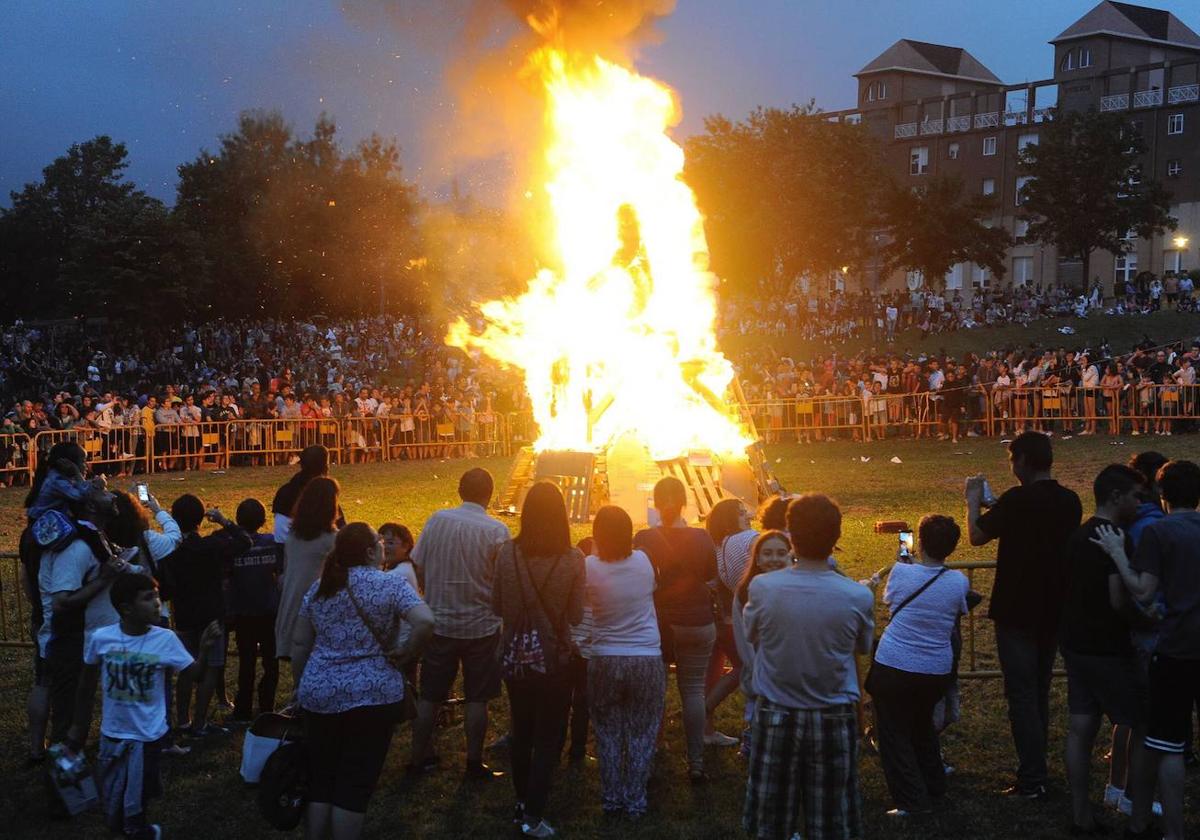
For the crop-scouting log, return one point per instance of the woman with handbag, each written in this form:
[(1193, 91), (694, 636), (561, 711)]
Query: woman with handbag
[(538, 593), (353, 692), (913, 665)]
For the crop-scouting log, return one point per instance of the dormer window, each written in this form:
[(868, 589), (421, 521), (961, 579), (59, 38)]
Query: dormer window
[(1068, 61), (1085, 57), (876, 91)]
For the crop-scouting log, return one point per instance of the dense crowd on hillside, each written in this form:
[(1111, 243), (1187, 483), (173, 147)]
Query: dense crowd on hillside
[(777, 309), (88, 376), (132, 601)]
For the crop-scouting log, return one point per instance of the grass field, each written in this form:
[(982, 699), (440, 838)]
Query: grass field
[(205, 797)]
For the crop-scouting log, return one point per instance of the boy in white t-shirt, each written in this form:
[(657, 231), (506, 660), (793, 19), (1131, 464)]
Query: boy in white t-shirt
[(132, 656)]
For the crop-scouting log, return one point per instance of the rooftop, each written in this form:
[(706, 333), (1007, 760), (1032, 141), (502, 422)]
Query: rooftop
[(1126, 20), (933, 59)]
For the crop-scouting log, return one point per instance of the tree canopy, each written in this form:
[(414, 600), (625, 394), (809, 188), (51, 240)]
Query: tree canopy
[(1086, 189), (936, 225), (784, 192)]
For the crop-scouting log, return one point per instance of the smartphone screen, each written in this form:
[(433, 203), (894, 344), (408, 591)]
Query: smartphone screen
[(143, 493), (906, 542)]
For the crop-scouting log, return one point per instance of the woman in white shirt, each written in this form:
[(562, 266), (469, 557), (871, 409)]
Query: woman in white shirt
[(914, 664), (627, 682), (1089, 384)]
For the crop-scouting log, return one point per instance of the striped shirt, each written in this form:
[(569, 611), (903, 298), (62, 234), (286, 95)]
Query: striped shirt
[(455, 558)]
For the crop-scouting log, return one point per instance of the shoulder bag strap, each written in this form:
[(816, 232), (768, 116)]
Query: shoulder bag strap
[(538, 592), (922, 588), (379, 638)]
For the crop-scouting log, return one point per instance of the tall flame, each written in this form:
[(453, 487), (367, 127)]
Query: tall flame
[(620, 338)]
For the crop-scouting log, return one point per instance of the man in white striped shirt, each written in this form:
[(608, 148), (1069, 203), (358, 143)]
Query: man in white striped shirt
[(455, 561)]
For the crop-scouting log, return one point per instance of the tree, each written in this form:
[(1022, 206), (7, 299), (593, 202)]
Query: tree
[(1086, 191), (936, 225), (84, 240), (295, 226), (784, 192)]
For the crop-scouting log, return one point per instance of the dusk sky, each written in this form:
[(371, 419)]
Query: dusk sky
[(167, 78)]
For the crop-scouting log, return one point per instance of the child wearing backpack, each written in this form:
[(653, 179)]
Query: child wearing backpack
[(133, 656)]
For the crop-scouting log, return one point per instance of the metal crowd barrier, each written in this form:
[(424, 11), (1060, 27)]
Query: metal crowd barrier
[(14, 607), (18, 459), (1005, 411)]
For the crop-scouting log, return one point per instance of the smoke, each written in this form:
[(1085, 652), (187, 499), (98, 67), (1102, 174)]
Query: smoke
[(482, 45)]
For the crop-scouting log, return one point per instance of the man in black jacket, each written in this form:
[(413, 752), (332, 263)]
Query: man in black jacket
[(193, 578)]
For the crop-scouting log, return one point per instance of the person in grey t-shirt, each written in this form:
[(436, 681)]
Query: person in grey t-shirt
[(806, 688)]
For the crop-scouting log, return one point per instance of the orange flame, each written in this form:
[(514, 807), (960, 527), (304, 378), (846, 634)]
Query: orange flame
[(620, 338)]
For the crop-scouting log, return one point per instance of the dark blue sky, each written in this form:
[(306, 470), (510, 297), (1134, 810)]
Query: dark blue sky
[(168, 77)]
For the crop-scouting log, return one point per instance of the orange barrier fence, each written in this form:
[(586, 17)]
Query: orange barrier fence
[(17, 459), (1141, 409)]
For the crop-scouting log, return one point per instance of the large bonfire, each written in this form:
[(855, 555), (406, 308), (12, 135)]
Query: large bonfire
[(618, 336)]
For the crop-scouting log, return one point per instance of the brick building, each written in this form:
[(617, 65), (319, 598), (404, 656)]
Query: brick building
[(940, 111)]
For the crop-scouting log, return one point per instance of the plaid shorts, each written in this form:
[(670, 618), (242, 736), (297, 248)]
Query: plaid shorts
[(803, 774)]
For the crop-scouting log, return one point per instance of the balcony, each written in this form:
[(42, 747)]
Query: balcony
[(1016, 117), (1147, 98), (1183, 93), (960, 123), (1043, 114), (1114, 102), (988, 120), (906, 130), (931, 126)]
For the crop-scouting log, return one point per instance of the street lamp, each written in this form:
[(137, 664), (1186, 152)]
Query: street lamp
[(1181, 242)]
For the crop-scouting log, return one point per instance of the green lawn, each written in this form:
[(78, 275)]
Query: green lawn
[(206, 799)]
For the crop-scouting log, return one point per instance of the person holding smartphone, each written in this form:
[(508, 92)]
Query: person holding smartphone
[(914, 663)]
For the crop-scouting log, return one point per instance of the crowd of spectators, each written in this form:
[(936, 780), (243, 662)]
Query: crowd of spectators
[(776, 309), (363, 618), (84, 375)]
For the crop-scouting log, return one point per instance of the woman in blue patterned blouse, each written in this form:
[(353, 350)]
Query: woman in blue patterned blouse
[(352, 686)]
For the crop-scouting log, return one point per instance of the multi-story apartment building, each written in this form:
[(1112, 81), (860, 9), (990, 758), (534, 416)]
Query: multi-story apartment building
[(939, 110)]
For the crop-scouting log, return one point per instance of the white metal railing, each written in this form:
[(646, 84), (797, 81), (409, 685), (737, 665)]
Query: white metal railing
[(960, 123), (988, 120), (852, 119), (1114, 102), (931, 127), (906, 130), (1043, 114), (1147, 98), (1183, 93), (1016, 117)]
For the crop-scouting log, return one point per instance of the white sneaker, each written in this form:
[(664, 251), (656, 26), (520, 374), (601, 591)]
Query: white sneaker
[(720, 739), (542, 829)]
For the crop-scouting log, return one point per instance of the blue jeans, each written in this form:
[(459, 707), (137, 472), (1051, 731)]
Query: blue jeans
[(1027, 660)]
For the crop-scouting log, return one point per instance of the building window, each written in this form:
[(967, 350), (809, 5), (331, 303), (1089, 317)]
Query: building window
[(1175, 124), (918, 160), (1174, 167), (989, 146), (1126, 269), (981, 278), (1172, 260), (876, 91), (989, 186), (1085, 57), (914, 280), (1021, 228), (1027, 140), (954, 277), (952, 151), (1019, 192), (1068, 61), (1022, 273)]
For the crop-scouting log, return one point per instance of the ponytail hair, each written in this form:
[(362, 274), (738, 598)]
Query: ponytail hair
[(352, 547)]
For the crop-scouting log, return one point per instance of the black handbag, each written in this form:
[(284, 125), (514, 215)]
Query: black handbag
[(283, 785)]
